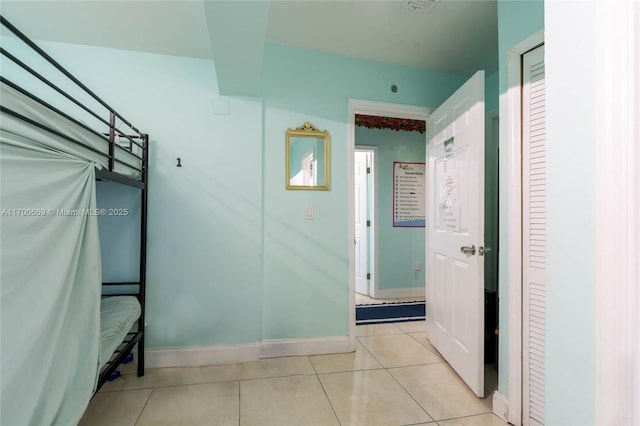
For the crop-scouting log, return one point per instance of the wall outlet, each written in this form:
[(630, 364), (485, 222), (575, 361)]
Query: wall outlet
[(418, 266)]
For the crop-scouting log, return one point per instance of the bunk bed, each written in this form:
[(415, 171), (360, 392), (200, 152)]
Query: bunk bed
[(64, 331)]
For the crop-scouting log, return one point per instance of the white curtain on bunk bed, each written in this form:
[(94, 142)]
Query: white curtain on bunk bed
[(50, 273)]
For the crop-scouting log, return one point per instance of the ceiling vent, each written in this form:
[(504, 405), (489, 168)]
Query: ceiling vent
[(419, 6)]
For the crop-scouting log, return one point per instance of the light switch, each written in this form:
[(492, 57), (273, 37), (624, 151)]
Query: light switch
[(308, 212), (418, 266)]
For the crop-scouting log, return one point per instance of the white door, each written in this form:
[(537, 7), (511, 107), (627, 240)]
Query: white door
[(362, 232), (455, 222), (534, 236)]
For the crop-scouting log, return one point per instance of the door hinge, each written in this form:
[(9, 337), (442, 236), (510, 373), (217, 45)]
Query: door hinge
[(368, 170), (368, 275), (368, 222)]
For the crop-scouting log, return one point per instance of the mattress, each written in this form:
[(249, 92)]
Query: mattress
[(117, 316)]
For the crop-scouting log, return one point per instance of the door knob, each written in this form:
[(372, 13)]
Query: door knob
[(468, 250), (484, 250)]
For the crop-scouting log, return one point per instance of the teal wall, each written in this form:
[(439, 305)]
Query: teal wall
[(517, 20), (205, 218), (230, 258), (491, 92), (119, 250), (399, 248), (306, 276)]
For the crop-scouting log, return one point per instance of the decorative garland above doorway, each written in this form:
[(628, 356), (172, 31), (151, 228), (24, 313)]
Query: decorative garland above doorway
[(397, 124)]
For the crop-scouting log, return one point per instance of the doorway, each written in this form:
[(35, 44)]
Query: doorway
[(400, 111), (389, 186), (372, 108)]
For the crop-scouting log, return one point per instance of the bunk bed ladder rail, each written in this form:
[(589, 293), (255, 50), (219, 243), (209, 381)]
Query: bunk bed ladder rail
[(112, 139), (143, 252)]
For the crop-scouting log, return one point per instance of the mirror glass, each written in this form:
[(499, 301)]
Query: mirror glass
[(307, 151)]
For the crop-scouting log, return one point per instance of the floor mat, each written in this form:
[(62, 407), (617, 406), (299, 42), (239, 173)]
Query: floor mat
[(390, 312)]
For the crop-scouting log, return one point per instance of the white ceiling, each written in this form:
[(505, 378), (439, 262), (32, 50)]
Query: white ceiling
[(456, 36)]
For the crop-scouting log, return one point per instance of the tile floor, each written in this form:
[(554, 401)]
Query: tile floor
[(395, 377)]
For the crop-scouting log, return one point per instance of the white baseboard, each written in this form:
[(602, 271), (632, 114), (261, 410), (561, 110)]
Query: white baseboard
[(229, 354), (202, 355), (313, 346), (392, 293), (501, 406)]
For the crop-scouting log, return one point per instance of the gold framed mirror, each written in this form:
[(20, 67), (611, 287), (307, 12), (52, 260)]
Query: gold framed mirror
[(307, 157)]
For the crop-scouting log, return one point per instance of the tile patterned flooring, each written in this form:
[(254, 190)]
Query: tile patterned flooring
[(395, 377)]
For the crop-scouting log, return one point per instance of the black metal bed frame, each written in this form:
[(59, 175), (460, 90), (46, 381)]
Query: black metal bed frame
[(137, 138)]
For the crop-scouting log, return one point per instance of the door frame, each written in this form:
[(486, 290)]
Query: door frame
[(386, 109), (512, 110), (617, 298), (372, 201)]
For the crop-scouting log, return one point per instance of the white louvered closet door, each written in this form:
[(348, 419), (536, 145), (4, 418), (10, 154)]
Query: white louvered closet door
[(534, 236)]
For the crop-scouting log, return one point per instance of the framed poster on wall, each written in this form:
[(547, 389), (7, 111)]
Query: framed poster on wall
[(409, 197)]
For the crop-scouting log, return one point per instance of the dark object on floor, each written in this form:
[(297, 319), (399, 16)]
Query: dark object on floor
[(390, 312), (490, 324)]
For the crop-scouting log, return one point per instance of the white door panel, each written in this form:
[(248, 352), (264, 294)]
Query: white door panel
[(455, 205), (534, 236), (362, 241)]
